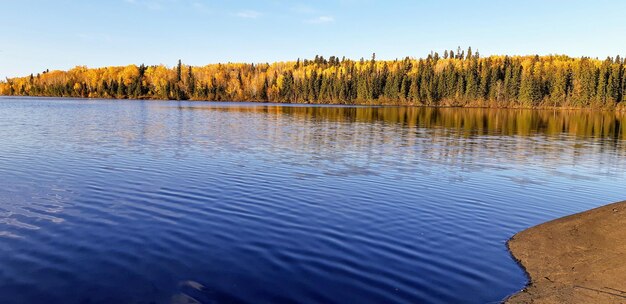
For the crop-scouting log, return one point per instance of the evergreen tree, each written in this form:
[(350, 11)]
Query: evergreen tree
[(179, 71)]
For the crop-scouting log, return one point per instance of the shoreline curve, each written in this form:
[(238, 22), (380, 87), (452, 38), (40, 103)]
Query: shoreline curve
[(580, 258)]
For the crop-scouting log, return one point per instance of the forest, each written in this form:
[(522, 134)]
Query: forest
[(454, 78)]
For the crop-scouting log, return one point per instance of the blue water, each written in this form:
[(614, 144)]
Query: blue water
[(190, 202)]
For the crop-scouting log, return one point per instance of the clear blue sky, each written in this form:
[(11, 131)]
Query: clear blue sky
[(38, 34)]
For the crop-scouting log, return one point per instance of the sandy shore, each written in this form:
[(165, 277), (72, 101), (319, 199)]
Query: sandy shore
[(576, 259)]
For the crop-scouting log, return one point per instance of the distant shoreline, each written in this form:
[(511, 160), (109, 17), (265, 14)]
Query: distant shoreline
[(574, 259), (454, 79), (364, 104)]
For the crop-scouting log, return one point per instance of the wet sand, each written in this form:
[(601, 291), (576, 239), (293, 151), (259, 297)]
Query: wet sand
[(580, 258)]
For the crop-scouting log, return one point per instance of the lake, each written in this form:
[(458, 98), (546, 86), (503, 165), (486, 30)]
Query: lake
[(118, 201)]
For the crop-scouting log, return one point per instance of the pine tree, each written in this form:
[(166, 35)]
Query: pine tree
[(191, 82), (179, 71)]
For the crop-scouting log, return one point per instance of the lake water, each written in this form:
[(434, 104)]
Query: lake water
[(117, 201)]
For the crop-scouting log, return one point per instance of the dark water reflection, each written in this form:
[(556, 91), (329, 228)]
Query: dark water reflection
[(177, 202), (467, 122)]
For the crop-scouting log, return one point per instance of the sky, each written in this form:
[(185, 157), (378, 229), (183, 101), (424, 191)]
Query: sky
[(36, 35)]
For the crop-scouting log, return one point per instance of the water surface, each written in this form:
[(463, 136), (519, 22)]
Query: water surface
[(116, 201)]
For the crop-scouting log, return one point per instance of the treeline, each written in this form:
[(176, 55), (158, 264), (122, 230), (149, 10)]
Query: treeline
[(455, 78)]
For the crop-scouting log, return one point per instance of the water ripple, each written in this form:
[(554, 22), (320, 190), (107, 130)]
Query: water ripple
[(181, 202)]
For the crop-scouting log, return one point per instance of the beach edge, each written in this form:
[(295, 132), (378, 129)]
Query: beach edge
[(573, 259)]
